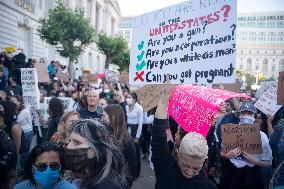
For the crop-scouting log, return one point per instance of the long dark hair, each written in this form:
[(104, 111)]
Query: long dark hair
[(108, 159), (117, 121), (55, 107), (39, 149), (134, 96)]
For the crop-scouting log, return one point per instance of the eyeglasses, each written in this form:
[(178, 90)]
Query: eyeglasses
[(41, 167)]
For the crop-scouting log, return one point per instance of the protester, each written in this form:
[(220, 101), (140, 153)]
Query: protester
[(8, 156), (92, 110), (241, 169), (277, 144), (119, 99), (3, 80), (44, 168), (148, 118), (94, 156), (64, 128), (185, 171), (55, 110), (114, 115), (51, 70), (13, 89), (11, 127), (134, 113), (24, 119)]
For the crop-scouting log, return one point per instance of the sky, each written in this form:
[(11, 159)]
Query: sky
[(138, 7)]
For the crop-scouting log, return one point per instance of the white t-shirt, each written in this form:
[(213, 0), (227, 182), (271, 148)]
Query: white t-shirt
[(265, 156), (135, 117), (24, 119)]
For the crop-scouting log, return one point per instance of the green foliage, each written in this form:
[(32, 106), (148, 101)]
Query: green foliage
[(123, 61), (116, 50), (67, 29), (250, 79)]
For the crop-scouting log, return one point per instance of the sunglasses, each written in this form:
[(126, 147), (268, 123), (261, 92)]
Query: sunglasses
[(41, 167), (116, 95)]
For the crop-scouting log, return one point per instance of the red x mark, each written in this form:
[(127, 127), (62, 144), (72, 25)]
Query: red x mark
[(139, 76)]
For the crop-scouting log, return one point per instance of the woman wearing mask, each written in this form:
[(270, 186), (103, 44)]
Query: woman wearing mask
[(93, 155), (114, 115), (64, 127), (134, 113), (241, 169), (44, 168)]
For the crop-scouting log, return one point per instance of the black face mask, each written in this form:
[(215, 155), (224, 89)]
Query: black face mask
[(76, 159)]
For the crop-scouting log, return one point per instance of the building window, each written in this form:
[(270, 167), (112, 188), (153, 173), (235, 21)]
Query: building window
[(249, 51), (280, 24), (249, 62), (24, 40), (256, 67), (261, 24), (270, 24), (274, 52), (264, 65), (273, 68), (281, 65)]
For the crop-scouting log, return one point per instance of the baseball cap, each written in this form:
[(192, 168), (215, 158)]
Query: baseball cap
[(248, 107)]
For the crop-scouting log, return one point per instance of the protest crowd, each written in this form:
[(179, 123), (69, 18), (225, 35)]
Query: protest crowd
[(99, 140), (57, 132)]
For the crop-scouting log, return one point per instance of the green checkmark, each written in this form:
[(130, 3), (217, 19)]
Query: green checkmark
[(141, 45), (139, 57), (141, 66)]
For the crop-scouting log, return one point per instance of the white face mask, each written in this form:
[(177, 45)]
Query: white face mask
[(246, 119), (106, 90), (129, 101)]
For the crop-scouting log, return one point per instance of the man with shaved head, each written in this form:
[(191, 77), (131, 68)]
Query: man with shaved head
[(91, 110)]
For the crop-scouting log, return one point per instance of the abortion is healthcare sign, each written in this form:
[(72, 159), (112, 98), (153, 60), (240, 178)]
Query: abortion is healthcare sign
[(191, 42)]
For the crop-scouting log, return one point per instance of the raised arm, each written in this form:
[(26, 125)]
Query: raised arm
[(161, 156)]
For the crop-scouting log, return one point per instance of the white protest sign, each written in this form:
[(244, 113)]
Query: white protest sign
[(267, 103), (192, 42), (264, 86), (67, 102), (30, 88), (111, 76)]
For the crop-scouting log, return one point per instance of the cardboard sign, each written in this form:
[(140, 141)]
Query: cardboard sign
[(280, 91), (246, 137), (267, 103), (194, 107), (42, 73), (111, 76), (30, 88), (150, 95), (234, 87), (62, 76), (185, 42)]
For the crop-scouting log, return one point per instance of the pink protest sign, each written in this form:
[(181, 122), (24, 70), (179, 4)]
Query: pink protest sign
[(194, 107)]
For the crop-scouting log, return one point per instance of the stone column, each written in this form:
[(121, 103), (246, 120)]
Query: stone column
[(93, 12), (100, 19)]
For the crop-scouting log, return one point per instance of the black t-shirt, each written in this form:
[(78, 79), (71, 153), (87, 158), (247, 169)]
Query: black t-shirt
[(86, 114)]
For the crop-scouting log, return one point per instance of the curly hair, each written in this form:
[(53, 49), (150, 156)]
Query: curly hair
[(55, 107), (38, 150)]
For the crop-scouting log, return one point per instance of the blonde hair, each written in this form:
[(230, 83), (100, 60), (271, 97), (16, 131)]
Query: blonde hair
[(194, 145), (61, 127)]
